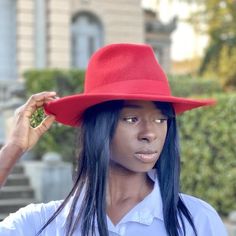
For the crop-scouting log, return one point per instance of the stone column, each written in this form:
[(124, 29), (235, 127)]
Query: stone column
[(25, 35), (59, 27)]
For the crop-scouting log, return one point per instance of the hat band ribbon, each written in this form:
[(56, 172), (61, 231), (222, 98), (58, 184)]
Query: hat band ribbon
[(149, 87)]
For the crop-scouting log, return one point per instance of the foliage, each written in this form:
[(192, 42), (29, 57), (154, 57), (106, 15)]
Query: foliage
[(220, 18), (186, 86), (227, 66), (63, 82), (208, 153), (60, 138)]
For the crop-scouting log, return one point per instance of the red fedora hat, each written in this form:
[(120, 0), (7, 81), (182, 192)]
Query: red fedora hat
[(120, 72)]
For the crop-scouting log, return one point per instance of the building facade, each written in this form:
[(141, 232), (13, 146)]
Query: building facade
[(157, 34), (63, 34)]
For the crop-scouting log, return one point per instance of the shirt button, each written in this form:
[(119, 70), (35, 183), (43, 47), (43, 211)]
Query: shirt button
[(146, 216), (122, 230), (145, 213)]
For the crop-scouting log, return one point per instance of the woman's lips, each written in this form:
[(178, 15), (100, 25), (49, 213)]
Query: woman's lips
[(146, 157)]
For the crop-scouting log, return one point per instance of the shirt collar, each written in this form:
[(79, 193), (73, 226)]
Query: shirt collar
[(148, 209), (151, 206)]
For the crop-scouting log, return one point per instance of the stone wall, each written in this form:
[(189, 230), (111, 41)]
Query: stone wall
[(25, 35), (51, 178), (58, 34), (122, 20), (43, 34)]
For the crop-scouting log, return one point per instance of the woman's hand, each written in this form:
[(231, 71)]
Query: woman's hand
[(23, 135)]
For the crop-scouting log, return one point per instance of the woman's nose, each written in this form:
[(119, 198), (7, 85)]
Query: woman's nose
[(147, 132)]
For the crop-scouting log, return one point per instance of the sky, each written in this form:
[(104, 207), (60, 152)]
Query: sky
[(186, 43)]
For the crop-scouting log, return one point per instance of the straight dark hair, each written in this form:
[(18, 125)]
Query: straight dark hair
[(168, 172), (97, 130)]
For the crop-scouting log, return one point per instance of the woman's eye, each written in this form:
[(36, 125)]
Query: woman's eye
[(160, 121), (130, 119)]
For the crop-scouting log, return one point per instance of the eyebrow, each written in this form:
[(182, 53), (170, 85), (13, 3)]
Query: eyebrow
[(135, 106)]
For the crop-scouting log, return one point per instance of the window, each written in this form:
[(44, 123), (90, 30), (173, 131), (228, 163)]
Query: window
[(87, 37)]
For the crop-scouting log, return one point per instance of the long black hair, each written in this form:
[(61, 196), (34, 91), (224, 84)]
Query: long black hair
[(97, 130), (168, 172)]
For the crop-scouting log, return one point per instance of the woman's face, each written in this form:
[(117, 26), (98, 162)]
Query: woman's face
[(139, 137)]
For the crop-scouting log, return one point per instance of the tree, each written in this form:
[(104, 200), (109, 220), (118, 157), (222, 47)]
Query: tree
[(220, 57)]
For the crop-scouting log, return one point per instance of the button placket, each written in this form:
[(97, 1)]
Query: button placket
[(146, 216), (122, 230)]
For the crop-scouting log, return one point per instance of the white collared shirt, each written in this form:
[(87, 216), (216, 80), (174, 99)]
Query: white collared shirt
[(146, 218)]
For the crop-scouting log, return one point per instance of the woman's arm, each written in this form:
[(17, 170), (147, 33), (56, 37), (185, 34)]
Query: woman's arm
[(9, 154), (23, 137)]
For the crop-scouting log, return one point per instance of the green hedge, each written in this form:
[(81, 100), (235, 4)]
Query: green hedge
[(187, 86), (64, 82), (208, 141), (207, 135)]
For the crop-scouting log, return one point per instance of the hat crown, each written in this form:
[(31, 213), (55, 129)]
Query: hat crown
[(126, 68)]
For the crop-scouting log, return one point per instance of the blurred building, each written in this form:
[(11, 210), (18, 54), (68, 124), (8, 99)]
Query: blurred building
[(157, 34), (63, 34)]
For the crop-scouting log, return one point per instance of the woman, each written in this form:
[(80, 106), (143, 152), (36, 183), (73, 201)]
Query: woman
[(127, 177)]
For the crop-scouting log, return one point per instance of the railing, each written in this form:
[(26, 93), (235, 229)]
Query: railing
[(10, 89), (4, 91), (12, 93)]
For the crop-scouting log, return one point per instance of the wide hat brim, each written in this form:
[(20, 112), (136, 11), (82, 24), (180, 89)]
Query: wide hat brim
[(69, 110)]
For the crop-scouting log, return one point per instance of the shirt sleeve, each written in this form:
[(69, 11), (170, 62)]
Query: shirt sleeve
[(27, 221), (209, 223), (206, 219)]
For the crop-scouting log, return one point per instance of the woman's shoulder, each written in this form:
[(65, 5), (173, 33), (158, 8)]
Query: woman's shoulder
[(44, 207), (35, 215), (43, 210), (197, 205), (205, 217)]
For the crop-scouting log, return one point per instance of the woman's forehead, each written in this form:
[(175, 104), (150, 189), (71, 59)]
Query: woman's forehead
[(139, 104)]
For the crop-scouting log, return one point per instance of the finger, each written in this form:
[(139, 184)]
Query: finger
[(34, 102), (39, 99), (45, 125)]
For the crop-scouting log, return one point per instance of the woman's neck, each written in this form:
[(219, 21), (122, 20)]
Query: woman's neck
[(124, 185), (125, 190)]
